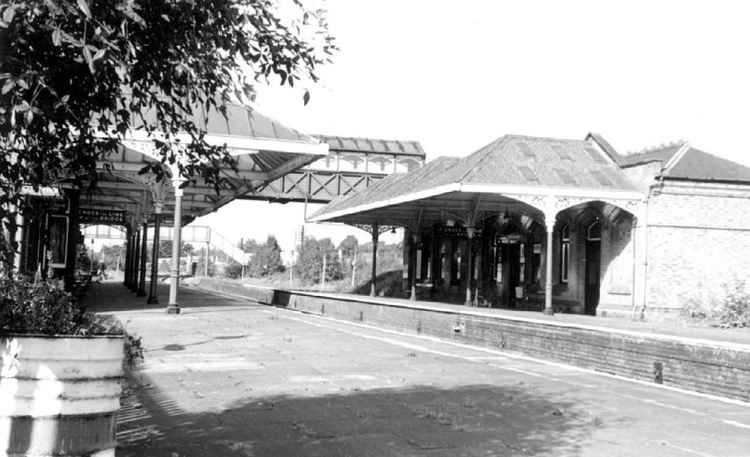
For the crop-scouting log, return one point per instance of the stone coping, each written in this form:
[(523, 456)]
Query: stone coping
[(511, 315)]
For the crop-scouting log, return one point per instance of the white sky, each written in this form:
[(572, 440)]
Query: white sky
[(456, 75)]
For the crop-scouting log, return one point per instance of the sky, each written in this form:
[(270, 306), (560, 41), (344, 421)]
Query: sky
[(456, 75)]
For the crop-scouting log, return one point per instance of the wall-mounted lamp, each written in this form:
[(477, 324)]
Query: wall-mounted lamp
[(450, 222)]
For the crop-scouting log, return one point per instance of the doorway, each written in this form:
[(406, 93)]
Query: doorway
[(510, 257), (593, 266)]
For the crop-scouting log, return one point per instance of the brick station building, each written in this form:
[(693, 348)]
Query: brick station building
[(564, 225)]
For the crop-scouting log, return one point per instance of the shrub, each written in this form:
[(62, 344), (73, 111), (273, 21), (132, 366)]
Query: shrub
[(735, 308), (43, 307)]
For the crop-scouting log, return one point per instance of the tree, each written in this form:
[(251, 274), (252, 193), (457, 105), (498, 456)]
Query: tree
[(113, 256), (266, 260), (76, 76), (310, 262), (165, 249), (348, 246)]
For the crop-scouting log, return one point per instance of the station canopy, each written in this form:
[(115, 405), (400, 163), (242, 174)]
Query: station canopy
[(264, 150), (514, 173)]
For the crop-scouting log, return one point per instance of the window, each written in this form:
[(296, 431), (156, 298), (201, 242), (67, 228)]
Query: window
[(594, 232), (564, 252)]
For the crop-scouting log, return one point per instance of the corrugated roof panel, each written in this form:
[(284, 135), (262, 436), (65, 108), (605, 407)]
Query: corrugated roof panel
[(363, 144), (217, 123), (237, 120), (528, 173), (348, 144), (393, 146), (525, 149), (261, 126), (378, 145)]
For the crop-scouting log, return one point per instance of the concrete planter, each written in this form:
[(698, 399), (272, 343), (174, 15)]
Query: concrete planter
[(59, 395)]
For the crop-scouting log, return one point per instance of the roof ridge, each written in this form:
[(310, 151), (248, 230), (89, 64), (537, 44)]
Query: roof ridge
[(368, 138), (658, 147), (549, 138), (488, 147)]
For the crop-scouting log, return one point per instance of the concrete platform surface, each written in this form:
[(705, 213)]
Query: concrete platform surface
[(228, 378)]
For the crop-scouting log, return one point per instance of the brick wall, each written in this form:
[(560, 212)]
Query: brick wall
[(698, 240), (721, 369)]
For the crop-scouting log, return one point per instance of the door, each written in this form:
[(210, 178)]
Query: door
[(510, 256), (593, 266)]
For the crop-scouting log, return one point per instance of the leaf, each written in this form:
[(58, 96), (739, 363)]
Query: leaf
[(9, 84), (89, 60), (9, 14), (306, 97), (84, 6), (99, 54), (57, 37)]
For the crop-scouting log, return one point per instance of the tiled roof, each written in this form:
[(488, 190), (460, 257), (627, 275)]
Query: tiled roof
[(702, 166), (658, 154), (429, 176), (241, 120), (522, 160), (372, 145), (509, 160)]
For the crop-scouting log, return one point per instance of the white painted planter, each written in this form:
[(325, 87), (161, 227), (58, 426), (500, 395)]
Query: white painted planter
[(59, 395)]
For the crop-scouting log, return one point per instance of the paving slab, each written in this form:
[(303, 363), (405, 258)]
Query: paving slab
[(229, 378)]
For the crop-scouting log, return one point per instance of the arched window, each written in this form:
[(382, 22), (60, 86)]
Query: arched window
[(594, 231), (564, 252)]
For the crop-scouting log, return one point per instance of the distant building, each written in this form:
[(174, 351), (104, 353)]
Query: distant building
[(566, 225)]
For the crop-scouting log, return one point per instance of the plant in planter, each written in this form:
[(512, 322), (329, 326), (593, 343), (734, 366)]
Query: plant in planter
[(60, 369)]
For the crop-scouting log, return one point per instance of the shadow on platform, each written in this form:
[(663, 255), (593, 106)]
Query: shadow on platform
[(114, 296), (419, 420)]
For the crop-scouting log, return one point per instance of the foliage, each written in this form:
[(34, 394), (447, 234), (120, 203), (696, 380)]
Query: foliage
[(728, 308), (735, 309), (113, 257), (348, 246), (43, 307), (165, 249), (233, 270), (265, 259), (133, 351), (309, 266), (76, 76), (390, 258)]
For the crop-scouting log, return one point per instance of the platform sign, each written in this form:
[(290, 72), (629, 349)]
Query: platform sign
[(101, 216)]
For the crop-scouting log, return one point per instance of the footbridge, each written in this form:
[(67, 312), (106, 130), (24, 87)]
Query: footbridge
[(351, 164)]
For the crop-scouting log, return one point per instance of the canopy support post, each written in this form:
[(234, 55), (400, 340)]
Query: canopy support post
[(375, 235), (549, 223), (469, 261), (413, 265), (153, 297), (174, 275), (144, 253)]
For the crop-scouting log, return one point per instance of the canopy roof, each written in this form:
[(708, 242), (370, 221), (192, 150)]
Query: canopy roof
[(512, 171), (264, 148)]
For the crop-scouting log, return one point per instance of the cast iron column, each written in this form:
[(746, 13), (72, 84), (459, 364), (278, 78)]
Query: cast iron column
[(144, 253), (548, 271), (174, 274), (413, 266), (469, 272), (128, 252), (375, 234), (153, 297), (136, 260)]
